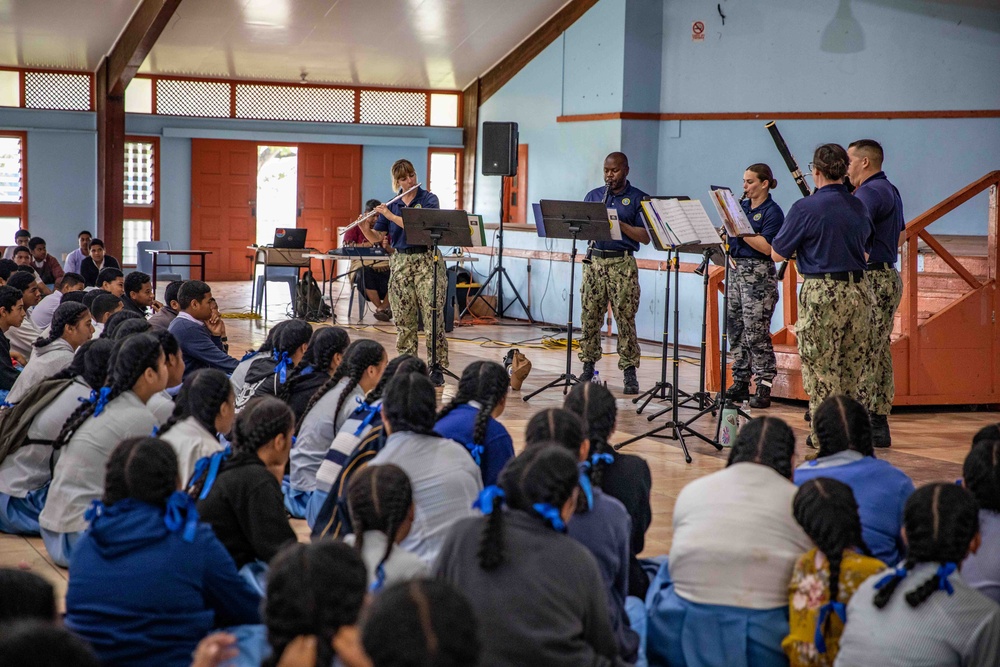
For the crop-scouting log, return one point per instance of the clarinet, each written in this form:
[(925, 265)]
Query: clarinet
[(793, 167), (590, 245)]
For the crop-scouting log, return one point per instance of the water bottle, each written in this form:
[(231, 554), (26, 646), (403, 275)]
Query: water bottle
[(597, 377), (730, 424)]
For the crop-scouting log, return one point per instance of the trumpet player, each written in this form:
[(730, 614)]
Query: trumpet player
[(612, 275)]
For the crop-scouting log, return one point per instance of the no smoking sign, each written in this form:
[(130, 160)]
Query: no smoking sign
[(698, 31)]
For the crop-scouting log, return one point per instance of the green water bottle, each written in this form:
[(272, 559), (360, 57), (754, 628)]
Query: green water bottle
[(730, 424)]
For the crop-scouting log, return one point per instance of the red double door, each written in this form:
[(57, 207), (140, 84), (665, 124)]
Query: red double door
[(224, 194)]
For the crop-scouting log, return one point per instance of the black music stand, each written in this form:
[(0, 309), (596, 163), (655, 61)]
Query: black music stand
[(572, 220), (432, 227)]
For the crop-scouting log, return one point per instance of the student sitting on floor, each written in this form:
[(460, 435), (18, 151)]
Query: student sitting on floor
[(923, 612), (314, 598), (71, 328), (244, 502), (627, 478), (327, 410), (380, 502), (846, 454), (825, 578), (423, 622), (445, 479), (536, 590), (238, 376), (735, 544), (198, 337), (26, 468), (289, 345), (600, 523), (172, 579), (46, 266), (74, 260), (165, 315), (138, 295), (7, 267), (161, 404), (21, 238), (11, 315), (41, 314), (112, 280), (26, 596), (470, 419), (22, 257), (321, 360), (120, 318), (981, 476), (118, 411), (204, 409), (41, 644), (22, 339), (91, 266), (102, 306)]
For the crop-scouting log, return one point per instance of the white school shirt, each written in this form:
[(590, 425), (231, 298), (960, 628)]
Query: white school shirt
[(27, 469), (46, 362), (22, 339), (98, 330), (74, 261), (400, 566), (735, 540), (239, 375), (191, 441), (445, 480), (42, 314), (79, 475), (161, 404), (319, 427)]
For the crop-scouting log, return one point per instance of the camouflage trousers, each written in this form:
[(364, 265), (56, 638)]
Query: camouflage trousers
[(753, 293), (615, 280), (411, 290), (834, 331), (878, 388)]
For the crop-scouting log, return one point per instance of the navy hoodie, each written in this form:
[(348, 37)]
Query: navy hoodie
[(141, 595)]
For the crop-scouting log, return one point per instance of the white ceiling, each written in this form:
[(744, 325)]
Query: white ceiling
[(438, 44)]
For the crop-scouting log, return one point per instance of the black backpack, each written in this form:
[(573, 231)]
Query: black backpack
[(15, 420), (309, 302)]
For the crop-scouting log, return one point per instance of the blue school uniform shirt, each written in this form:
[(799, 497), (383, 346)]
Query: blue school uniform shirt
[(498, 447), (881, 491), (885, 207), (627, 203), (141, 595), (397, 235), (766, 220), (831, 231)]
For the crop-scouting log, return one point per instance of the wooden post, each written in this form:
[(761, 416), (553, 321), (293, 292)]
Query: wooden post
[(470, 140)]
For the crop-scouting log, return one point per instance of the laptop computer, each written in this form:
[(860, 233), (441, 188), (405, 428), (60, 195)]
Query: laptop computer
[(290, 237)]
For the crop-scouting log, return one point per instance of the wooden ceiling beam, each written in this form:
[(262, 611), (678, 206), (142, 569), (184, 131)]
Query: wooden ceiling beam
[(136, 41)]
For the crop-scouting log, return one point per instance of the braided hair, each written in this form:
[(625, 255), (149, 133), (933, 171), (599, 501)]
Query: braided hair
[(67, 314), (596, 405), (768, 441), (401, 365), (539, 475), (408, 404), (90, 363), (116, 320), (202, 396), (262, 420), (360, 355), (290, 336), (425, 622), (485, 382), (325, 344), (558, 426), (981, 470), (841, 423), (940, 521), (828, 513), (168, 341), (379, 498), (131, 358), (312, 589), (142, 468)]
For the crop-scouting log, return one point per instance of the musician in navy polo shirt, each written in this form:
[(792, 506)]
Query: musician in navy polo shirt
[(612, 275), (831, 234), (885, 207)]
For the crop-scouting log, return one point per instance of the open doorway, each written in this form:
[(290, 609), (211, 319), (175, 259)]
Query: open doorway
[(277, 190)]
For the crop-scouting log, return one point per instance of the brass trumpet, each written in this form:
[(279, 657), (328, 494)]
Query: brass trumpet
[(364, 217)]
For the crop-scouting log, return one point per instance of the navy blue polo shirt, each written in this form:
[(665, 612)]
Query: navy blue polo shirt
[(627, 204), (885, 207), (766, 220), (397, 235), (830, 230)]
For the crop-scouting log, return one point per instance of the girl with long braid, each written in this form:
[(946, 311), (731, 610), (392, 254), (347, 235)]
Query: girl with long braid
[(238, 376), (148, 580), (825, 578), (321, 360), (981, 476), (118, 411), (380, 501), (444, 477), (203, 411), (288, 348), (327, 410), (536, 590), (923, 612), (244, 503), (71, 328), (26, 472), (470, 419), (162, 403)]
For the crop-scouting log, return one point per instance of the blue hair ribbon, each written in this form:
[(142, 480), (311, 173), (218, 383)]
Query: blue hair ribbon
[(487, 499), (307, 370), (379, 582), (100, 400), (944, 571), (837, 608), (585, 468), (476, 451), (372, 410), (899, 573), (284, 361), (181, 513), (5, 404), (209, 467), (250, 354), (156, 431), (95, 510), (551, 514)]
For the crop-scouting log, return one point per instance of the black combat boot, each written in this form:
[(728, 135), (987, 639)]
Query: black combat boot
[(631, 382), (739, 392), (588, 372), (762, 399), (880, 431)]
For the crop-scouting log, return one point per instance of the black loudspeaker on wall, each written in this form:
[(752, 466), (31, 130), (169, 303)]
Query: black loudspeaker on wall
[(499, 149)]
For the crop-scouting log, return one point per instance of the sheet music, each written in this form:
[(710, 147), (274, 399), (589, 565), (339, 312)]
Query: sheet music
[(655, 215), (477, 231), (733, 218), (616, 229)]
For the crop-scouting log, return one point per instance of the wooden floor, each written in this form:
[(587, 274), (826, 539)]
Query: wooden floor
[(929, 445)]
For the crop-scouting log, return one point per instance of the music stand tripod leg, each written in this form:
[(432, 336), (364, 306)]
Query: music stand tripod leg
[(437, 310), (662, 390)]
